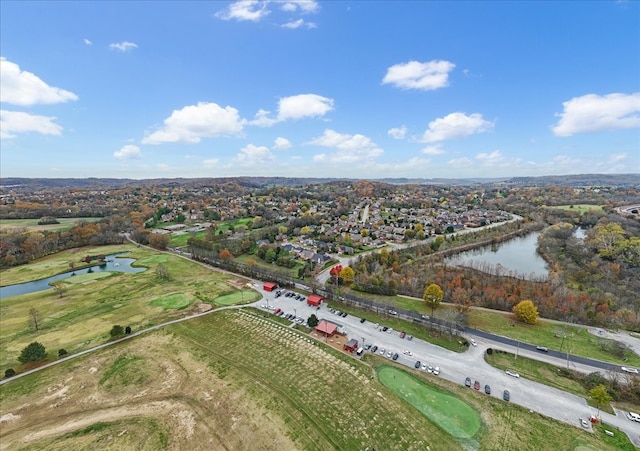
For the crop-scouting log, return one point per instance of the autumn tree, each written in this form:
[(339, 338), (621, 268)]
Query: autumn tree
[(526, 312), (433, 295), (59, 286), (34, 317), (158, 240), (605, 238), (600, 396), (347, 274), (225, 254)]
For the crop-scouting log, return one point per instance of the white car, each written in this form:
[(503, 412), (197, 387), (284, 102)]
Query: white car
[(512, 373), (405, 352), (626, 369), (473, 342), (436, 370), (584, 423)]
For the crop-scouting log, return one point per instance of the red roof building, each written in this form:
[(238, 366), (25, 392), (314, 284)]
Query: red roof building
[(326, 328), (269, 286), (314, 300), (351, 346)]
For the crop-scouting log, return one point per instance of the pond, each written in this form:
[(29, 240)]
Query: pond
[(112, 263), (517, 256)]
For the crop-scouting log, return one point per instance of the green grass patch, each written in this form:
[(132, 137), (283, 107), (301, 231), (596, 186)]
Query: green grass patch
[(581, 208), (620, 440), (444, 409), (175, 301), (126, 370), (32, 224)]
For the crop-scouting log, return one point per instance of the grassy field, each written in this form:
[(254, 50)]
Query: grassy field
[(92, 303), (237, 380), (32, 224), (581, 208)]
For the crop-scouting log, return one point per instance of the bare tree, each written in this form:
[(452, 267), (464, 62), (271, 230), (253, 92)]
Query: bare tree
[(35, 318), (59, 287)]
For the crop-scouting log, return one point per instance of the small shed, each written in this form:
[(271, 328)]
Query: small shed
[(351, 345), (270, 286), (314, 300), (326, 328)]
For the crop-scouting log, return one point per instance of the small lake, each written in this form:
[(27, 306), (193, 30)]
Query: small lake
[(517, 255), (112, 264)]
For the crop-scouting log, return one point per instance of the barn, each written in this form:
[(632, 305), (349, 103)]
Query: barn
[(269, 286), (351, 345), (315, 300), (327, 328)]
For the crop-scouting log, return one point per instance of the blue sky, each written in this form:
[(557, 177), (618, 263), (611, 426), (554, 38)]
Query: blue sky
[(367, 89)]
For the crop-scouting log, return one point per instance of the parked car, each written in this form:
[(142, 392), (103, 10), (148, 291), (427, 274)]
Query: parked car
[(626, 369), (506, 395), (430, 369), (409, 337), (381, 351), (367, 347), (436, 370), (344, 314), (512, 373), (384, 328), (424, 366), (487, 389), (389, 354), (395, 356), (584, 423), (374, 348), (402, 334), (476, 385), (362, 320), (473, 342), (467, 382), (418, 364), (542, 348), (405, 352)]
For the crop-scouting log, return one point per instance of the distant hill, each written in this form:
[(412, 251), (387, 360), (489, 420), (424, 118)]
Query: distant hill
[(580, 180)]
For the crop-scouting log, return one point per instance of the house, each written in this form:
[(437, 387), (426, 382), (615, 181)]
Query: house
[(327, 328), (269, 286), (315, 300), (351, 345)]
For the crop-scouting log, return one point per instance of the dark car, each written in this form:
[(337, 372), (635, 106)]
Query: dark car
[(374, 348), (384, 329), (487, 389), (505, 395), (362, 320), (476, 385), (344, 314), (395, 356), (467, 382), (402, 334), (418, 364)]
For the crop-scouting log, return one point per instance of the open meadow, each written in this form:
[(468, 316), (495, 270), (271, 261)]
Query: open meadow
[(235, 379), (7, 225), (91, 304)]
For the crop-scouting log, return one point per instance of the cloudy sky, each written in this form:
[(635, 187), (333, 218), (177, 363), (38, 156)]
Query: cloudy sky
[(364, 89)]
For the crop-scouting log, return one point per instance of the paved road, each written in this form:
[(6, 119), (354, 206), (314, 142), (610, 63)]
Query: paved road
[(455, 367)]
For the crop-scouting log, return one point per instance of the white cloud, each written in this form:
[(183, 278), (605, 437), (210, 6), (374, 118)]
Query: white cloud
[(455, 126), (433, 150), (88, 42), (416, 75), (128, 152), (591, 113), (304, 6), (194, 122), (295, 107), (398, 132), (298, 23), (349, 148), (13, 122), (282, 144), (210, 163), (24, 88), (253, 155), (245, 10), (492, 158), (123, 46)]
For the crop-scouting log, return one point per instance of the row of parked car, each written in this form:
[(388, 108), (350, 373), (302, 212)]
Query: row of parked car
[(279, 312), (290, 294), (487, 388), (339, 313)]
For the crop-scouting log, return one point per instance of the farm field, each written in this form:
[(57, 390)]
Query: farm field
[(32, 224), (581, 208), (236, 380), (92, 303)]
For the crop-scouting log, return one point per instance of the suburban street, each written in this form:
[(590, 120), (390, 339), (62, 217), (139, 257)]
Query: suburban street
[(455, 367)]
